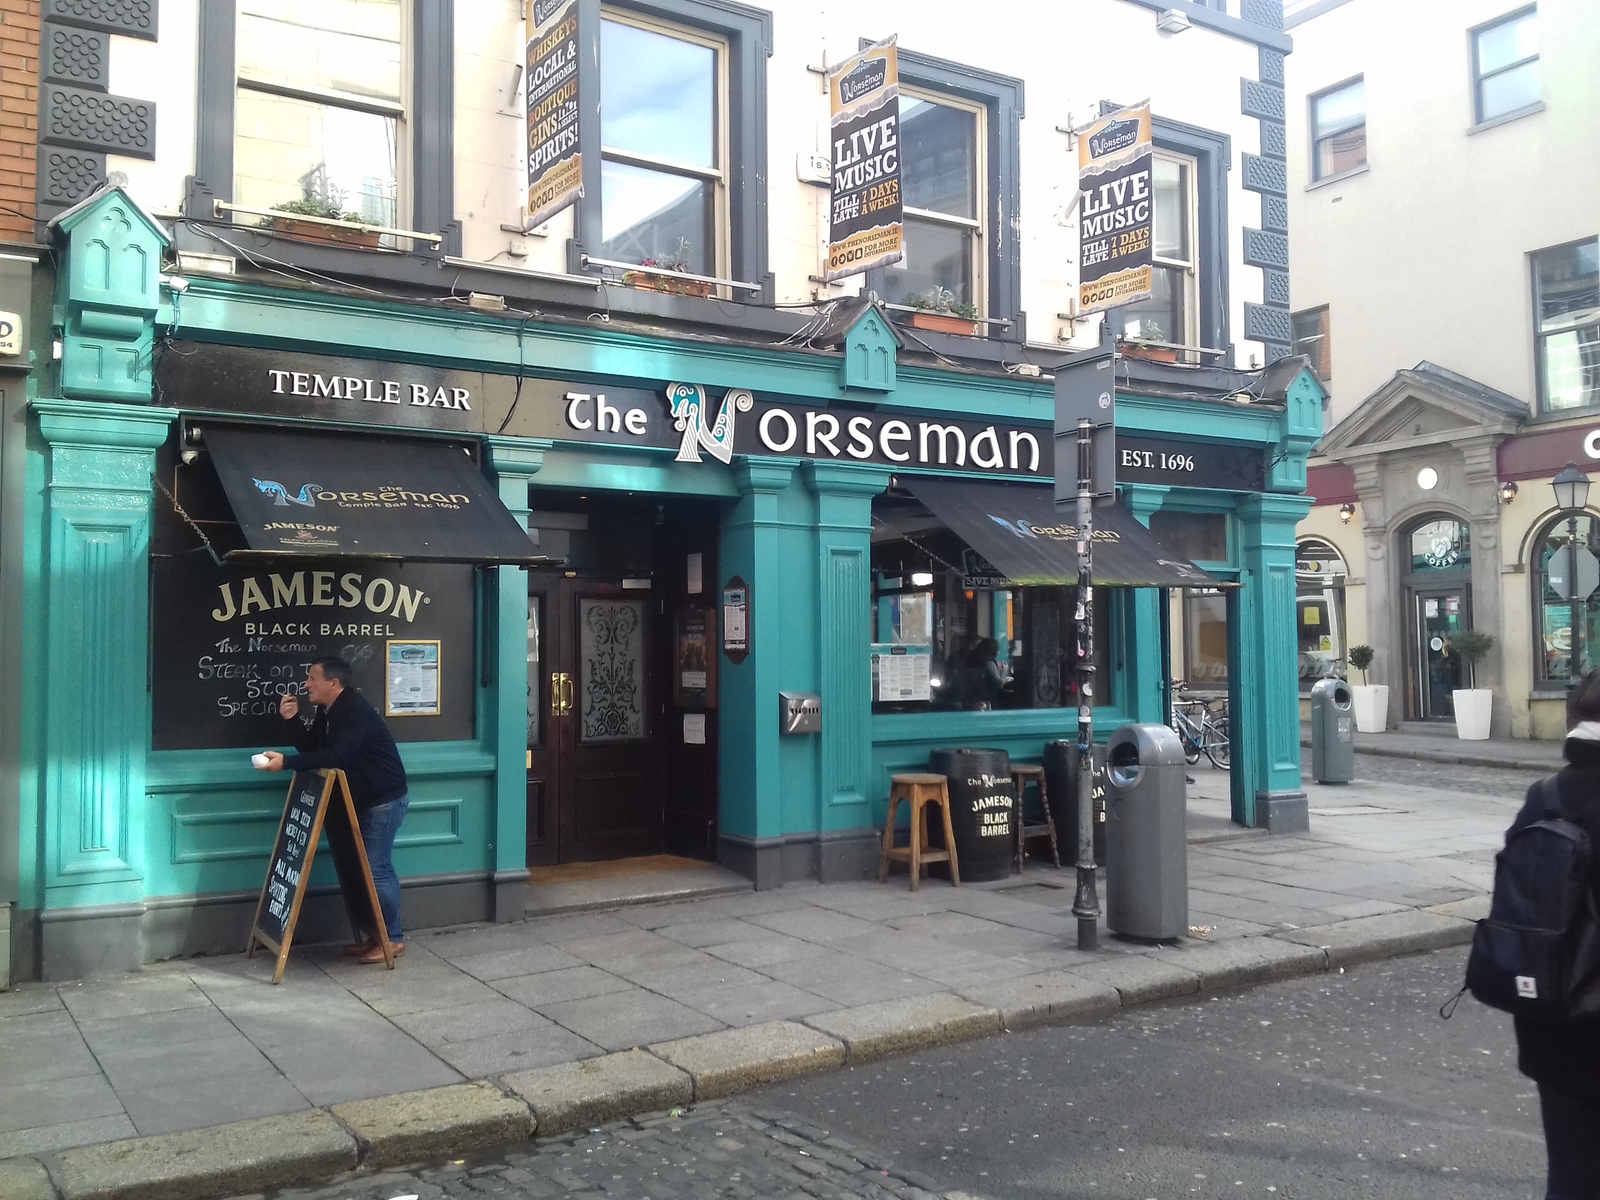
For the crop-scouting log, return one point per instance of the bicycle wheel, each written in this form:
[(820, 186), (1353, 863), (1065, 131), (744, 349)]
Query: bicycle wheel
[(1191, 749), (1218, 747)]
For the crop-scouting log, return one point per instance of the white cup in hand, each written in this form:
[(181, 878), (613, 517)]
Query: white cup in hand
[(260, 761)]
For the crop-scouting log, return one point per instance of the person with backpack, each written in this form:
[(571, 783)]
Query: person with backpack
[(1560, 1050)]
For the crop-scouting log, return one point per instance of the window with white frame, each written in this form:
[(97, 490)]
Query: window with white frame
[(663, 134), (1339, 129), (1505, 65), (942, 140), (1566, 298), (1169, 315), (320, 108)]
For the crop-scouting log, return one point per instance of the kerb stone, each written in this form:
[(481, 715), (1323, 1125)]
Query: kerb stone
[(1141, 978), (722, 1063), (889, 1026), (1051, 998), (592, 1091), (1242, 962), (1384, 936), (1473, 908), (24, 1179), (224, 1160), (442, 1122)]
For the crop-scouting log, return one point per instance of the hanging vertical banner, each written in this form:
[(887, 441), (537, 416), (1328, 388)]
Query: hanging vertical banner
[(555, 168), (864, 224), (1116, 207)]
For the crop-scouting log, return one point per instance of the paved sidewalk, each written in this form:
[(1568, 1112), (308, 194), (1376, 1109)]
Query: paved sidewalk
[(1445, 747), (199, 1042)]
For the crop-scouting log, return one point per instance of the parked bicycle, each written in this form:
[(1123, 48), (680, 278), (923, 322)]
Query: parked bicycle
[(1202, 726)]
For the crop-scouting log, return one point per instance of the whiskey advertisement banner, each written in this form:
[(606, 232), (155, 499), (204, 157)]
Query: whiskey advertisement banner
[(865, 219), (555, 167), (1116, 207)]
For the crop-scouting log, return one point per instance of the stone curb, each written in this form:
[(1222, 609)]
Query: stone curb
[(314, 1147), (1454, 758)]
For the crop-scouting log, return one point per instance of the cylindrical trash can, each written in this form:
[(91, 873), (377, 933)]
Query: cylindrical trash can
[(1333, 744), (983, 810), (1061, 784), (1147, 852)]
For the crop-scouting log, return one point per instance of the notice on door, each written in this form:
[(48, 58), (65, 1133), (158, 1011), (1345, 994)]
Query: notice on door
[(412, 679), (904, 672)]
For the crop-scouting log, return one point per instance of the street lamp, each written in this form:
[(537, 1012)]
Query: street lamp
[(1571, 487)]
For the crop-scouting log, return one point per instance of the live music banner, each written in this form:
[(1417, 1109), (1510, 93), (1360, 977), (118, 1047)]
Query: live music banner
[(555, 167), (865, 223), (1115, 210)]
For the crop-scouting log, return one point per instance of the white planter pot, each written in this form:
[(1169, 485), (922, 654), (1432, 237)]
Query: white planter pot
[(1371, 702), (1473, 706)]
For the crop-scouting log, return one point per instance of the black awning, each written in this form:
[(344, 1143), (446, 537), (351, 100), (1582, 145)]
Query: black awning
[(1019, 529), (321, 494)]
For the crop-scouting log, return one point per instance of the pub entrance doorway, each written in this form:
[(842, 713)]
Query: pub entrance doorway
[(622, 758)]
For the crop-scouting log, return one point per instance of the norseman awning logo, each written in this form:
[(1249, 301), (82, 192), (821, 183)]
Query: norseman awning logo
[(1118, 135), (543, 10), (868, 76), (280, 494)]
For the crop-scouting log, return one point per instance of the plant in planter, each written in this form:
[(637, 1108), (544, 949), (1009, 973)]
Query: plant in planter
[(1144, 343), (1473, 704), (1370, 701), (322, 199), (678, 260), (937, 309)]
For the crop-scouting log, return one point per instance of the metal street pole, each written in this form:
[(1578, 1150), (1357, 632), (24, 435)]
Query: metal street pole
[(1086, 905), (1575, 671)]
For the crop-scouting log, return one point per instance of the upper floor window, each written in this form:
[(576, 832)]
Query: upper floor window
[(1339, 129), (663, 136), (942, 143), (1311, 338), (1566, 299), (1170, 314), (1505, 66), (320, 108)]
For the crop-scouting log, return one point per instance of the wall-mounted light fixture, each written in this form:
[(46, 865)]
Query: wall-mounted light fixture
[(922, 579), (1508, 491), (1347, 510), (1171, 20)]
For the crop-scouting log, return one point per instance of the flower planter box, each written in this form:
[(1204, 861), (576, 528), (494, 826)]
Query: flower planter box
[(1371, 704), (1474, 706), (944, 323), (647, 282), (314, 231), (1153, 353)]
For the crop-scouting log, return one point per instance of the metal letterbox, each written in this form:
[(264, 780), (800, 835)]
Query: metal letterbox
[(800, 712)]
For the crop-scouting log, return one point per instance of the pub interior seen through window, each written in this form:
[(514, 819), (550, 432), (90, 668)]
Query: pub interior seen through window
[(950, 632)]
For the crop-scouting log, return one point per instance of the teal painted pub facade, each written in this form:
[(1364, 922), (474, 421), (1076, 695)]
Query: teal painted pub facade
[(125, 854)]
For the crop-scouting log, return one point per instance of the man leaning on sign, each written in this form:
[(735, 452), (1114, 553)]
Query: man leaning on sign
[(349, 735)]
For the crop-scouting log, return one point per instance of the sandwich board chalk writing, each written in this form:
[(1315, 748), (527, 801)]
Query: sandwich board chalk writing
[(307, 814)]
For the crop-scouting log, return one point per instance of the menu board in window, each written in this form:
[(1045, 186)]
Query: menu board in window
[(901, 673)]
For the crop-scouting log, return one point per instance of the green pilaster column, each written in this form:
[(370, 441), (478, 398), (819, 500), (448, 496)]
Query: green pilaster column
[(750, 807), (1146, 670), (1265, 716), (844, 597), (514, 462), (96, 730)]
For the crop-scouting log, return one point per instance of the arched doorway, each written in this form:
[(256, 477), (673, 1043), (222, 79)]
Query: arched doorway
[(1436, 558), (1566, 626)]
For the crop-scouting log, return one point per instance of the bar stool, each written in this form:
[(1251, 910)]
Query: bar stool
[(919, 791), (1023, 774)]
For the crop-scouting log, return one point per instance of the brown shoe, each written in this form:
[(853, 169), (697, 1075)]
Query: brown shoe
[(358, 948), (375, 954)]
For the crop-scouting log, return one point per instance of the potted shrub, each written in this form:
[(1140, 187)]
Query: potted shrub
[(1371, 701), (937, 310), (1143, 344), (328, 203), (1473, 704), (678, 260)]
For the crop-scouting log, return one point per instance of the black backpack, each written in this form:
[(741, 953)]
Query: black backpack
[(1537, 953)]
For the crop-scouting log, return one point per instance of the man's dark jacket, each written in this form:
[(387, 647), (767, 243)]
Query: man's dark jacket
[(350, 734), (1567, 1056)]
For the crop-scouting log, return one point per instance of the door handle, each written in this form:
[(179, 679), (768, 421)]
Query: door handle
[(555, 694), (566, 694)]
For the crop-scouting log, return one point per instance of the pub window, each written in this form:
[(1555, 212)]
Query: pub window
[(664, 145), (950, 633), (1339, 130), (1205, 639), (1566, 298), (1505, 66), (1554, 603), (320, 107), (1319, 572), (1311, 338), (943, 172), (1170, 315)]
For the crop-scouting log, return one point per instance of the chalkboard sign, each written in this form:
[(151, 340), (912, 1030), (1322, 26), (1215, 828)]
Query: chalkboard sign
[(306, 816), (230, 640)]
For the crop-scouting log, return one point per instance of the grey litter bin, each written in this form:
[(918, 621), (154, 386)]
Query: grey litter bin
[(1333, 744), (1147, 852)]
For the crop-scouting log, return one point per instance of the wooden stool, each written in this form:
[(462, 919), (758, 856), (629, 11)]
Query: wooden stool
[(919, 791), (1023, 774)]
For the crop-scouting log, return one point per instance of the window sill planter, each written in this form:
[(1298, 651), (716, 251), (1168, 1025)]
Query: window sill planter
[(943, 323), (1371, 703), (647, 282), (312, 231), (1152, 353), (1473, 709)]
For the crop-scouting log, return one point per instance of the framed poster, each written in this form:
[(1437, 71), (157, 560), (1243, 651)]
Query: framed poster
[(694, 658), (736, 619), (411, 679)]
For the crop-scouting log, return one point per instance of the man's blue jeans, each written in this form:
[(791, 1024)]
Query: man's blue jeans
[(378, 827)]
